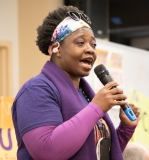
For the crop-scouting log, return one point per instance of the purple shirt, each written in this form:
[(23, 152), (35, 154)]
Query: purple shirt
[(39, 104)]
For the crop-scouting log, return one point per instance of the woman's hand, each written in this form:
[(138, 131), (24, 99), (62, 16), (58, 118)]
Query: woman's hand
[(125, 120), (109, 96)]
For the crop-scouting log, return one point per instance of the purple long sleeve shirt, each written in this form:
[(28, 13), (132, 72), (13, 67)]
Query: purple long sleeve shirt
[(61, 142), (54, 122)]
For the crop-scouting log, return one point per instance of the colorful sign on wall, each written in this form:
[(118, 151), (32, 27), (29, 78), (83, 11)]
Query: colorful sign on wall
[(8, 144), (142, 131)]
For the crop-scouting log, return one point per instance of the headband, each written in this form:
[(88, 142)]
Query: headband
[(65, 28)]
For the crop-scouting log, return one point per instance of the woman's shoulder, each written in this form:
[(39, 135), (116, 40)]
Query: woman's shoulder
[(39, 83)]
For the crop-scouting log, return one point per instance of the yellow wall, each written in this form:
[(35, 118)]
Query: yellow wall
[(30, 15)]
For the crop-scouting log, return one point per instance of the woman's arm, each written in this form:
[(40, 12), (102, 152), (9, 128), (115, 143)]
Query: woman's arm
[(63, 141), (124, 134), (127, 127)]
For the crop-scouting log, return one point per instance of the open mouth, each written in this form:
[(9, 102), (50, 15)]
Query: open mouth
[(87, 63)]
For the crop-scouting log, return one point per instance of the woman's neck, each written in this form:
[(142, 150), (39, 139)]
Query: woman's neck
[(75, 80)]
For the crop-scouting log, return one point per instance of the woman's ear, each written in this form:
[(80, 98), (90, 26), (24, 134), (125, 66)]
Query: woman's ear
[(54, 49)]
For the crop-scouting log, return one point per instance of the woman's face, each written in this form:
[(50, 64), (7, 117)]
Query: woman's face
[(77, 53)]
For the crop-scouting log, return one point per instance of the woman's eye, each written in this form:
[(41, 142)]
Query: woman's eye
[(81, 42), (94, 45)]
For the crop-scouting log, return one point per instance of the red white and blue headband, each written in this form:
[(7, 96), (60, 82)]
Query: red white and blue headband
[(70, 24)]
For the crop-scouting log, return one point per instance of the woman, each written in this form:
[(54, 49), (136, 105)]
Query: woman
[(56, 114)]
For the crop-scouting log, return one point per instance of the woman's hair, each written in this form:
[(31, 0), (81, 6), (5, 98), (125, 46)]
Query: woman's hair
[(45, 31)]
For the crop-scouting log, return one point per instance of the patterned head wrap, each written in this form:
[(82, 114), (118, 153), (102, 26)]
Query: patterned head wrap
[(65, 28)]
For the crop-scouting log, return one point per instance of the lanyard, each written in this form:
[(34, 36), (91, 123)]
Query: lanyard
[(104, 142)]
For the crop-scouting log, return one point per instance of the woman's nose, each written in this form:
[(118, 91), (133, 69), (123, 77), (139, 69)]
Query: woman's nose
[(89, 49)]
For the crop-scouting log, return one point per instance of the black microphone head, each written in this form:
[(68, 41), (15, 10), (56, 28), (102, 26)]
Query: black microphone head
[(99, 69), (103, 74)]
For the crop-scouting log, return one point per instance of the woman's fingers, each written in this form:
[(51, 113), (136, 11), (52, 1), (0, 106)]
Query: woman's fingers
[(126, 121), (135, 109), (111, 85), (116, 94), (109, 96), (119, 97)]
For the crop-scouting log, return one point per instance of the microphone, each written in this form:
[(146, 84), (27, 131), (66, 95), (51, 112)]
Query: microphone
[(105, 77)]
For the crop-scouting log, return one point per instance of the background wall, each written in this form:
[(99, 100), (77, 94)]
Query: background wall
[(30, 15), (9, 32), (18, 22)]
